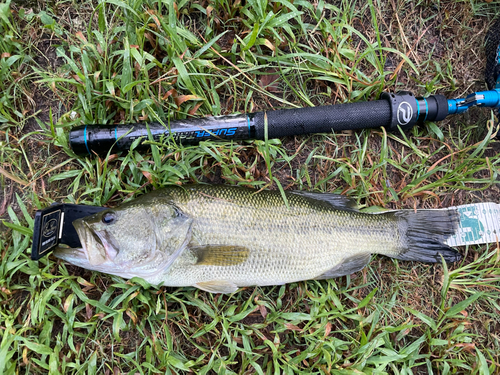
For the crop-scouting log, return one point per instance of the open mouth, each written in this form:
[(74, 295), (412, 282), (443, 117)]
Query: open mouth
[(92, 246), (74, 255), (97, 239)]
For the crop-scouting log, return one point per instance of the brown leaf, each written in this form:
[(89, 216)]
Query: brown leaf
[(80, 36), (269, 81), (137, 69), (328, 329), (293, 327), (131, 315), (12, 177), (67, 303), (88, 311), (151, 39), (76, 77), (193, 110), (172, 92), (148, 176), (183, 98), (263, 311), (154, 17), (470, 347), (269, 45), (209, 10), (112, 157), (239, 340)]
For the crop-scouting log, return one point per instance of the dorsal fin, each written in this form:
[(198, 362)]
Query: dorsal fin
[(340, 202), (348, 266)]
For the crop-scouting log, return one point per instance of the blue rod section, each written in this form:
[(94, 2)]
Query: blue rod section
[(249, 132), (85, 137), (426, 109)]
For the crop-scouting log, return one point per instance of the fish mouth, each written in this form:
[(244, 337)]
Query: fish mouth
[(100, 248), (71, 254), (95, 248)]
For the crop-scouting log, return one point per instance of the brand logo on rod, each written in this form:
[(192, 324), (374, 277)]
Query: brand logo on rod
[(405, 113)]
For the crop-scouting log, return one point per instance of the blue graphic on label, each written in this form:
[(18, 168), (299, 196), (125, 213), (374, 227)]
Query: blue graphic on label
[(472, 229), (479, 224)]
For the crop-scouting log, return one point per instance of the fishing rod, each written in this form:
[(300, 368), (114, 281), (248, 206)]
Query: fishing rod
[(391, 111)]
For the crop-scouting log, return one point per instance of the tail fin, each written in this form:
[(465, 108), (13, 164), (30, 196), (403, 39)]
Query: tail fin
[(424, 233)]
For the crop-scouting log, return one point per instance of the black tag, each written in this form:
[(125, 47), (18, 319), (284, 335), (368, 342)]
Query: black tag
[(54, 225)]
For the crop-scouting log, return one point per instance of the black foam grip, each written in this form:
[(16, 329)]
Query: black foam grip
[(324, 119), (438, 108)]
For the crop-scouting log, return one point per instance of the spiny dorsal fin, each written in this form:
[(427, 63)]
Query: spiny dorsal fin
[(348, 266), (217, 286), (220, 255), (337, 201)]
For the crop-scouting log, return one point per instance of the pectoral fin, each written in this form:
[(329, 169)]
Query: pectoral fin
[(220, 255), (218, 286), (348, 266)]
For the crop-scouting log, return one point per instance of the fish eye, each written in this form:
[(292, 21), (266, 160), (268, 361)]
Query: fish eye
[(108, 218)]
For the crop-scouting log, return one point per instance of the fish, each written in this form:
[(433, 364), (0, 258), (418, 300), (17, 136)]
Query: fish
[(220, 238)]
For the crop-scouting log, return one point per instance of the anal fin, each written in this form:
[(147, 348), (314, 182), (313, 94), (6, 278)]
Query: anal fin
[(217, 286), (348, 266)]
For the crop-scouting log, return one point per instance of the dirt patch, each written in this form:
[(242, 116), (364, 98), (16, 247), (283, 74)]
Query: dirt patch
[(44, 98), (41, 103)]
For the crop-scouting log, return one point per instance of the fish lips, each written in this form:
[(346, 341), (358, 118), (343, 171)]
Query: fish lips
[(76, 256), (98, 247)]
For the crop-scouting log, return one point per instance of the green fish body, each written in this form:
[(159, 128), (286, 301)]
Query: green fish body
[(219, 238)]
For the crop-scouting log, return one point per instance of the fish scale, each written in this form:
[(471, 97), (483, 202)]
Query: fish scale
[(219, 238)]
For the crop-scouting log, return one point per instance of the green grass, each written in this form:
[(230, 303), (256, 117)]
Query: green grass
[(67, 63)]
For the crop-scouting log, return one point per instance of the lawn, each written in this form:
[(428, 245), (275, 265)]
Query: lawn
[(68, 63)]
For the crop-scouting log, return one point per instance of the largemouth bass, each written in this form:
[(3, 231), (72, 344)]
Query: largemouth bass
[(220, 238)]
